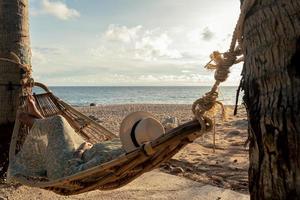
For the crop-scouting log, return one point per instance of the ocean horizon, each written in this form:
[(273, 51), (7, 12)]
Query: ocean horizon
[(106, 95)]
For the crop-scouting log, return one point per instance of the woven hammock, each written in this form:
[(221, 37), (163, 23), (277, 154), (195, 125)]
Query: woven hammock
[(110, 175), (127, 167)]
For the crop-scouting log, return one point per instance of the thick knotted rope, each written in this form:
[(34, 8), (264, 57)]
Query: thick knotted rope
[(222, 64), (16, 60), (26, 80)]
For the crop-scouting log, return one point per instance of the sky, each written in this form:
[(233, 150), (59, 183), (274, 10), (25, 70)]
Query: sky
[(129, 42)]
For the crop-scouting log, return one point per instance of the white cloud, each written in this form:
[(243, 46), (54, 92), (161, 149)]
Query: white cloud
[(98, 52), (147, 78), (173, 78), (122, 33), (38, 57), (136, 42), (146, 48), (59, 10), (152, 46), (194, 35)]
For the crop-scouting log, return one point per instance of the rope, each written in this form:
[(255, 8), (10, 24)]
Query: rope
[(26, 80), (16, 60), (222, 64)]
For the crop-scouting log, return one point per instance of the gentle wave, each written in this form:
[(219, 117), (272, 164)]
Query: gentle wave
[(84, 95)]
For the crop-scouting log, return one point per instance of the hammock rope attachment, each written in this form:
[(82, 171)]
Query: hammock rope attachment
[(121, 171), (222, 64), (26, 81)]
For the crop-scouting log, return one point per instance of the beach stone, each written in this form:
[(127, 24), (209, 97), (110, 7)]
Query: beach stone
[(93, 104), (170, 122), (234, 133), (176, 170), (170, 119), (240, 123)]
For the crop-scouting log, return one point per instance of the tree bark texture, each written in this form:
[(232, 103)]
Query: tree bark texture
[(14, 37), (271, 83)]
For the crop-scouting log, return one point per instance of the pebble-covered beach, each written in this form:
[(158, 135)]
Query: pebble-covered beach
[(225, 167)]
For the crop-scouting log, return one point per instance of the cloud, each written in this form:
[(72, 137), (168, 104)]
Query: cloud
[(173, 78), (207, 34), (122, 33), (43, 55), (58, 9), (38, 57), (136, 43), (152, 46), (198, 35), (49, 50), (194, 35)]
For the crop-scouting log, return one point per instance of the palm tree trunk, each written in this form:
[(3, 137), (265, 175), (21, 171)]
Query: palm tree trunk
[(14, 37), (271, 84)]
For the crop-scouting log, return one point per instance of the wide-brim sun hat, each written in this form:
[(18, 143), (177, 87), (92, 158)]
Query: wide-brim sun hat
[(139, 128)]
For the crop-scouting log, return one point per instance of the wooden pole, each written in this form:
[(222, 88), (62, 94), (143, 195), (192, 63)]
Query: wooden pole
[(14, 37)]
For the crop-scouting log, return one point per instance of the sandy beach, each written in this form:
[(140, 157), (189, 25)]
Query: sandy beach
[(226, 167)]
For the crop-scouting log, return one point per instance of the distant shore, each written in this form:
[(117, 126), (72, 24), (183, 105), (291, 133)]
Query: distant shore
[(84, 96)]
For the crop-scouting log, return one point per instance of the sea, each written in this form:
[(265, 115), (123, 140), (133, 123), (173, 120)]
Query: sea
[(105, 95)]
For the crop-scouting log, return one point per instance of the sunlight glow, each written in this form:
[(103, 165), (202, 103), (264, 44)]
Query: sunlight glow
[(155, 42)]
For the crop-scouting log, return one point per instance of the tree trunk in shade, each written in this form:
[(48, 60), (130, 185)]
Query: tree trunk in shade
[(271, 82), (14, 37)]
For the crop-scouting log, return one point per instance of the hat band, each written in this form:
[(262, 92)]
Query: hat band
[(132, 134)]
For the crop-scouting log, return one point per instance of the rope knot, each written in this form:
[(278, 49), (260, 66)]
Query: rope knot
[(223, 65), (205, 103), (26, 80), (217, 58)]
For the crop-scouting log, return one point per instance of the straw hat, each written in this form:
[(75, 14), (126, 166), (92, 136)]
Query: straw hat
[(138, 128)]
